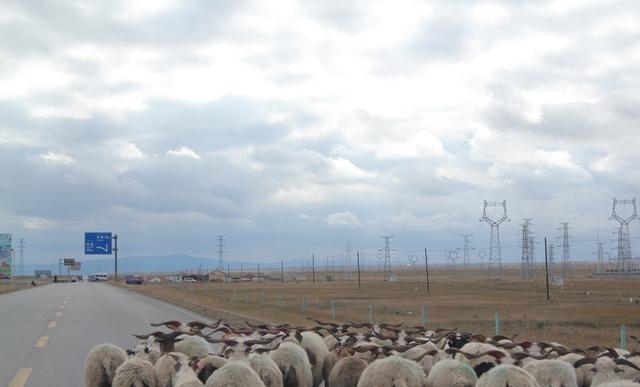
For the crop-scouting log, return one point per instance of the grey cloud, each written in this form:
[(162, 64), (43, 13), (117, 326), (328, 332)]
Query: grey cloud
[(188, 24), (340, 14), (213, 126)]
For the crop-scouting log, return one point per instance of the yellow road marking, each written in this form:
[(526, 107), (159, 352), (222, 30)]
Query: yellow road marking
[(42, 341), (58, 314), (52, 324), (21, 378)]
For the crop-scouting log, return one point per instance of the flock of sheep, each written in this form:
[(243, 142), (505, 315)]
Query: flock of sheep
[(350, 355)]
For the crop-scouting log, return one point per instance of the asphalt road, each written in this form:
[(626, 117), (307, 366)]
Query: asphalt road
[(47, 331)]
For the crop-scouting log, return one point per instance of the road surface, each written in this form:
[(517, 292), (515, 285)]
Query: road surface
[(47, 331)]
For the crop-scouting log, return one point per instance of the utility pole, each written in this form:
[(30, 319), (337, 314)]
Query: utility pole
[(21, 271), (115, 252)]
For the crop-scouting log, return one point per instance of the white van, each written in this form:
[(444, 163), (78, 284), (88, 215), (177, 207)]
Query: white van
[(100, 276)]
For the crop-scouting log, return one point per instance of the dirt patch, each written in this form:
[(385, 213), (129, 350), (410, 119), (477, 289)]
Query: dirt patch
[(586, 311)]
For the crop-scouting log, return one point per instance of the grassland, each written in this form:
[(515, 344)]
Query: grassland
[(586, 311)]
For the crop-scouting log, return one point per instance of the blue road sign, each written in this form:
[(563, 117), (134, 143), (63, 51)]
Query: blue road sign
[(97, 243)]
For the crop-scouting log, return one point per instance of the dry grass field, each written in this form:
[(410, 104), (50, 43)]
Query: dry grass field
[(586, 311)]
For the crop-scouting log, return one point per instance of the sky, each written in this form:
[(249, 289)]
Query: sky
[(317, 127)]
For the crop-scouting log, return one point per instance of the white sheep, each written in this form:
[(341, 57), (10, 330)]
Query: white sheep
[(346, 372), (332, 358), (507, 375), (267, 369), (193, 346), (316, 350), (451, 373), (621, 383), (135, 372), (185, 376), (101, 364), (294, 364), (392, 371), (235, 374), (165, 367), (607, 369), (481, 356), (552, 373), (584, 373)]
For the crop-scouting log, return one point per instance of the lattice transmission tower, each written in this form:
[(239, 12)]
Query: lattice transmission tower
[(465, 252), (551, 258), (495, 254), (387, 257), (220, 252), (566, 256), (624, 262), (527, 270)]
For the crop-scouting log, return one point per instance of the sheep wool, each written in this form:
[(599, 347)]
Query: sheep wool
[(165, 368), (135, 372), (451, 373), (621, 383), (317, 351), (266, 369), (392, 371), (552, 373), (208, 365), (101, 364), (193, 346), (507, 375), (235, 374), (346, 372), (294, 364)]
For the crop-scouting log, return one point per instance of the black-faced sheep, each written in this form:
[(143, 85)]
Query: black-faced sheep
[(451, 373), (480, 356), (235, 374), (208, 365), (507, 375), (101, 364), (135, 372), (392, 371)]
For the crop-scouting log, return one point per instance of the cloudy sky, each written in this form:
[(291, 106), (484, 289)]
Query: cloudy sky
[(300, 127)]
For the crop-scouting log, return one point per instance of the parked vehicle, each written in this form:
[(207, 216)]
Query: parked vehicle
[(134, 279), (100, 276)]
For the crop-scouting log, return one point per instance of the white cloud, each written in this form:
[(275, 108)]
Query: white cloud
[(126, 150), (183, 151), (56, 158), (343, 219)]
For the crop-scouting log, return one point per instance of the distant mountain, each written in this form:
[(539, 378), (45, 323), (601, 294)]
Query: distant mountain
[(160, 264)]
